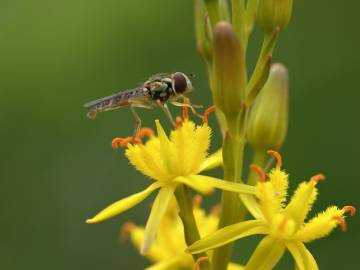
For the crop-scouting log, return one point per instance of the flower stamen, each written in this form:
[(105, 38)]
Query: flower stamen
[(209, 110), (277, 156), (341, 222), (144, 132), (197, 200), (121, 142), (216, 210), (185, 109), (350, 209), (199, 262), (318, 178), (126, 230), (259, 171), (178, 121)]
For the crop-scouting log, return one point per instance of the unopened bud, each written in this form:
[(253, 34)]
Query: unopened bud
[(202, 25), (274, 13), (228, 71), (269, 117)]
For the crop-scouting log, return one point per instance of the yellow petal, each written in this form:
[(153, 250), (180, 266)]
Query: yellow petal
[(228, 234), (178, 262), (301, 202), (182, 138), (268, 202), (302, 256), (203, 183), (156, 251), (147, 159), (319, 226), (158, 210), (280, 181), (266, 255), (199, 186), (252, 206), (166, 150), (212, 161), (123, 205), (234, 266), (200, 147)]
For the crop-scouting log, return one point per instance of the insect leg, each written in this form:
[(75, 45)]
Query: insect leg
[(191, 106), (167, 112), (137, 121)]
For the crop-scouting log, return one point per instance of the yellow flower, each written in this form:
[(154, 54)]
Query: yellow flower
[(284, 225), (171, 162), (168, 250)]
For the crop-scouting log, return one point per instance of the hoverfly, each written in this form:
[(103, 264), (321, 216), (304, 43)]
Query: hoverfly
[(154, 92)]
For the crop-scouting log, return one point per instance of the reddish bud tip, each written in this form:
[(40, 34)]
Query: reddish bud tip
[(199, 262)]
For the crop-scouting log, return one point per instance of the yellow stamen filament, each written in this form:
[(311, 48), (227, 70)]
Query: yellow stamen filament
[(209, 110), (277, 156), (259, 171), (350, 209), (126, 230), (200, 261)]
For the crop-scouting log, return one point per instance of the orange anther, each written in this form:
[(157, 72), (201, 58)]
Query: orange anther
[(178, 121), (185, 109), (318, 178), (341, 222), (199, 262), (277, 156), (120, 142), (350, 209), (197, 200), (126, 230), (259, 172), (142, 133), (207, 112)]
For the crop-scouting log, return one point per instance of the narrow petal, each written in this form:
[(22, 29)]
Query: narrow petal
[(201, 143), (302, 256), (228, 234), (158, 210), (212, 161), (268, 202), (171, 263), (280, 181), (123, 205), (147, 159), (301, 202), (166, 151), (200, 182), (201, 187), (252, 206), (266, 255), (320, 226)]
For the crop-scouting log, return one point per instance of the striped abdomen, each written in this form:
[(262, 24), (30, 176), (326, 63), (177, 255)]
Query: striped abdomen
[(112, 102)]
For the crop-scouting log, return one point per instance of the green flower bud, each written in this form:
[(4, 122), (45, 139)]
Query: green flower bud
[(274, 13), (203, 40), (269, 116), (228, 71)]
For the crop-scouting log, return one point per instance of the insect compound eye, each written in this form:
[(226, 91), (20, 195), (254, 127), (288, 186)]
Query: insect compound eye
[(180, 82)]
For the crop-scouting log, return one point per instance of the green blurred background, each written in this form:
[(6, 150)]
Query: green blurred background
[(57, 167)]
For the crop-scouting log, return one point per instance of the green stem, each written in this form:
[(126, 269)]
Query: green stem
[(191, 232), (231, 209)]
